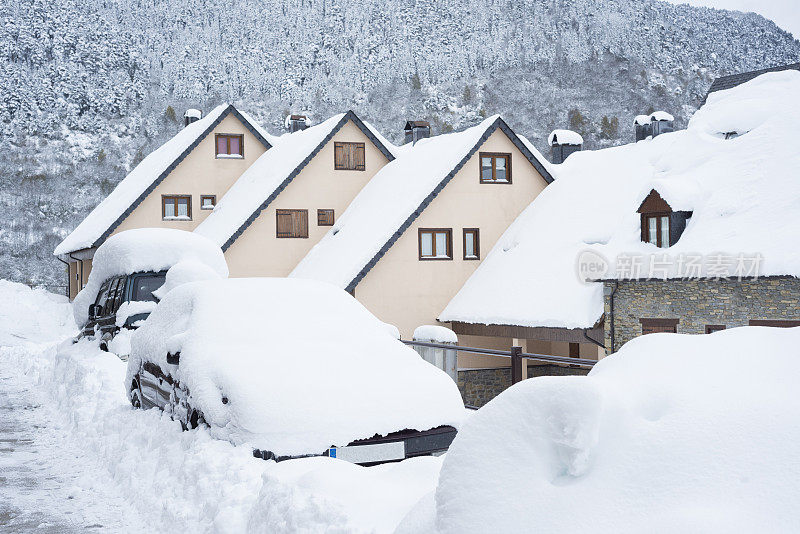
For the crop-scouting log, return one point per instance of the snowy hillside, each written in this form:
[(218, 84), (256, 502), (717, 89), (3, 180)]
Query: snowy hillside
[(89, 88)]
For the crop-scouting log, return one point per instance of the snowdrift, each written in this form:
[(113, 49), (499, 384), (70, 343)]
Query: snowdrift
[(674, 433), (303, 364), (32, 315), (147, 249)]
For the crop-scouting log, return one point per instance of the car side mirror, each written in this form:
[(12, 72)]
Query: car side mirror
[(94, 310), (173, 359)]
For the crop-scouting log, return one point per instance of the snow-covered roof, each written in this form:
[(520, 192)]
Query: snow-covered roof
[(150, 172), (661, 116), (261, 183), (564, 137), (393, 199), (641, 120), (743, 192), (300, 376)]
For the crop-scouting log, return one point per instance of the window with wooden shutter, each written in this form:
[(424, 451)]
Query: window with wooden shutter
[(348, 156), (653, 326), (324, 217), (292, 223)]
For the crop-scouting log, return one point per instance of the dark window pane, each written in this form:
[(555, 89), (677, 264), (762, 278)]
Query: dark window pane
[(145, 285)]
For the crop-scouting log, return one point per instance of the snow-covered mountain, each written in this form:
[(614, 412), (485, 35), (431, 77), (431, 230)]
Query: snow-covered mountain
[(88, 87)]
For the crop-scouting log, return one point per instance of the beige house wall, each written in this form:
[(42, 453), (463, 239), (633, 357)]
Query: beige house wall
[(407, 292), (200, 173), (258, 252), (74, 271)]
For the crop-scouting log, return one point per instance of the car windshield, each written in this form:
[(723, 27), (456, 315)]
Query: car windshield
[(143, 286)]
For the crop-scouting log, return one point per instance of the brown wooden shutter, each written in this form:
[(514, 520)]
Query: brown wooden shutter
[(359, 156), (301, 223), (324, 217), (284, 223), (339, 156)]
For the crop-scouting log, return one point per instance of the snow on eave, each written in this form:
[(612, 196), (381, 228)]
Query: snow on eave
[(260, 184), (146, 176), (347, 253)]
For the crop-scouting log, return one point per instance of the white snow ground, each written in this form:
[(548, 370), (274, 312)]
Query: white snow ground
[(76, 457)]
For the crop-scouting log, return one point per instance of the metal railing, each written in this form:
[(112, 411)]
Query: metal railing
[(517, 356)]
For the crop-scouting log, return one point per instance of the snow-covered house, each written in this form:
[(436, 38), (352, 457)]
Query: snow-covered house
[(292, 195), (176, 186), (422, 225), (689, 232)]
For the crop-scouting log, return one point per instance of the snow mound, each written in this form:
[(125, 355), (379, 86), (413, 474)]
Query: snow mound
[(744, 194), (33, 315), (304, 366), (143, 250), (564, 137), (675, 433), (435, 334), (661, 116), (183, 272), (641, 120)]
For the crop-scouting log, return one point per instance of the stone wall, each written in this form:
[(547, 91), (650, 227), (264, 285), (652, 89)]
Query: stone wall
[(479, 386), (696, 303)]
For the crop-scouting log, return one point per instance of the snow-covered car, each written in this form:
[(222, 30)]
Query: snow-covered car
[(131, 271), (291, 368)]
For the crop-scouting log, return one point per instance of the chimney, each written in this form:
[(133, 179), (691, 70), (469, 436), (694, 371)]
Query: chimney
[(642, 127), (296, 123), (416, 130), (191, 115), (563, 143), (661, 122)]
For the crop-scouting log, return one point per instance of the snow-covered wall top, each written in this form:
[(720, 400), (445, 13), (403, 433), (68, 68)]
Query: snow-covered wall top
[(661, 116), (384, 204), (146, 250), (743, 192)]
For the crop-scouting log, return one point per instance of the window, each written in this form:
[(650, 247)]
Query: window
[(324, 217), (774, 323), (176, 207), (711, 328), (207, 202), (230, 145), (348, 156), (495, 168), (656, 229), (292, 223), (435, 244), (472, 244), (652, 326)]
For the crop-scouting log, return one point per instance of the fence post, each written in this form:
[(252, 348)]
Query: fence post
[(516, 364)]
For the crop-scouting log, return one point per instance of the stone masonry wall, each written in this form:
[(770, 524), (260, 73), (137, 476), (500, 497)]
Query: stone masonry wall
[(479, 386), (697, 303)]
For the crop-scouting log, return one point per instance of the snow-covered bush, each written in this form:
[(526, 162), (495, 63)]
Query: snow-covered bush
[(149, 250), (301, 363), (674, 433)]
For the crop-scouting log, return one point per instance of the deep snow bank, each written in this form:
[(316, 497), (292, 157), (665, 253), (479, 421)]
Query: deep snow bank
[(32, 315), (675, 433), (148, 249)]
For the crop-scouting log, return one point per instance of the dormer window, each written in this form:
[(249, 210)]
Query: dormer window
[(661, 226)]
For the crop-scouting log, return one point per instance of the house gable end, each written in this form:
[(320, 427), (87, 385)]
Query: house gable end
[(172, 166), (348, 117), (654, 203)]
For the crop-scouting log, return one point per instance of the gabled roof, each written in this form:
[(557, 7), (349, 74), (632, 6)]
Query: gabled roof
[(733, 80), (147, 175), (743, 192), (392, 201), (271, 173)]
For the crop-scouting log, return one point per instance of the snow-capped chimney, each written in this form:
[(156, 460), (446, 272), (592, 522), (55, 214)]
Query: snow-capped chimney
[(661, 122), (416, 130), (642, 127), (191, 116), (296, 123), (563, 143)]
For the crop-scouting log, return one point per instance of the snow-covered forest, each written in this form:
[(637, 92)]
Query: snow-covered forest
[(87, 88)]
